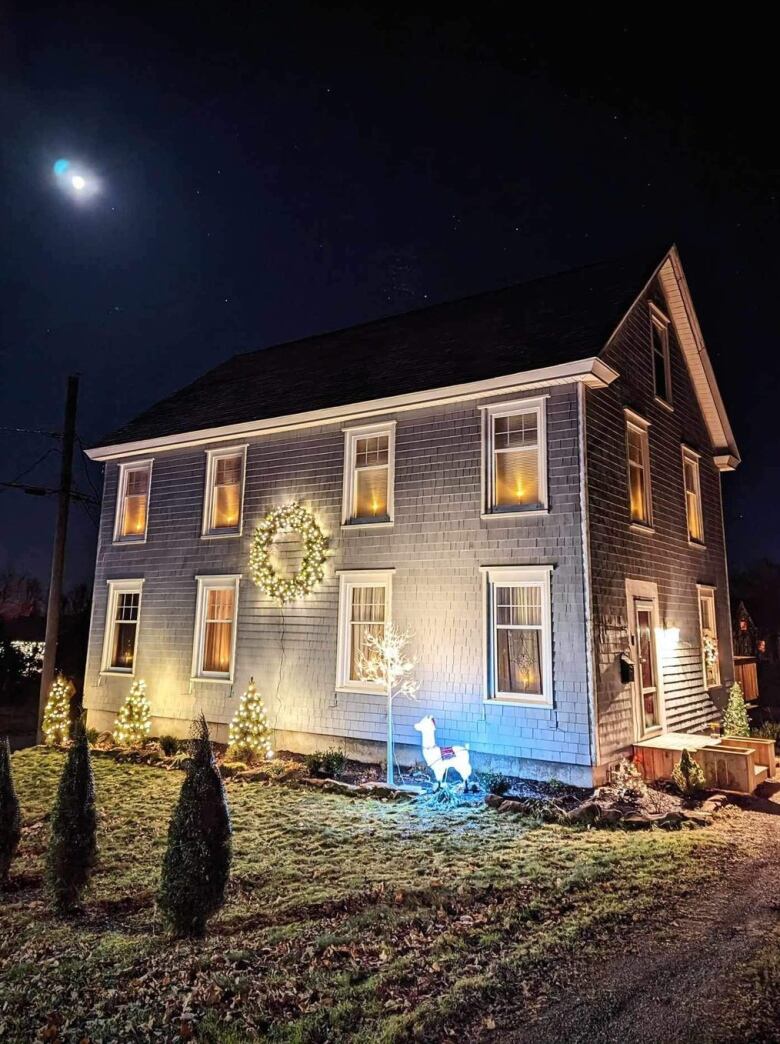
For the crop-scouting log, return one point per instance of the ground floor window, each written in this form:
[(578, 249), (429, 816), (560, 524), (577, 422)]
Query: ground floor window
[(215, 628), (122, 619), (519, 641), (709, 636), (364, 609)]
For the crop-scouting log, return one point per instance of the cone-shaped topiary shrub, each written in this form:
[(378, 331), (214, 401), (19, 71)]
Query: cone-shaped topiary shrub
[(73, 842), (735, 720), (10, 818), (688, 775), (196, 867)]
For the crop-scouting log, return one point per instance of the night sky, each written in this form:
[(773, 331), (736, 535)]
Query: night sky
[(270, 171)]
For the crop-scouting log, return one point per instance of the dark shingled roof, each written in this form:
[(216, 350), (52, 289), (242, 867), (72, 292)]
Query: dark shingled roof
[(557, 319)]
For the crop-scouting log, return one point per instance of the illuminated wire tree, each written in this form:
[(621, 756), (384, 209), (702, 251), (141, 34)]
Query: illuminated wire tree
[(56, 715), (134, 721), (250, 733), (386, 664), (735, 719)]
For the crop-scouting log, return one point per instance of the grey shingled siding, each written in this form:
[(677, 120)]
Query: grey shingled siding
[(665, 557), (436, 547)]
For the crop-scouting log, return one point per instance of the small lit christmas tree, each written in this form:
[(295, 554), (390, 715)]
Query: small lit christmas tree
[(56, 716), (134, 722), (735, 720), (250, 734)]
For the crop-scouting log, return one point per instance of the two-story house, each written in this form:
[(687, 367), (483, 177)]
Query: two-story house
[(528, 480)]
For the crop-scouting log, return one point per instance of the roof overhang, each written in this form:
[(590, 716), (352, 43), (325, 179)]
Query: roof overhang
[(592, 372)]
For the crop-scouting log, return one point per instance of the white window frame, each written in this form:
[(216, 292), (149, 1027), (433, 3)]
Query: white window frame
[(115, 589), (351, 437), (514, 576), (121, 491), (208, 532), (349, 579), (660, 321), (490, 414), (690, 456), (206, 584), (706, 592), (639, 424)]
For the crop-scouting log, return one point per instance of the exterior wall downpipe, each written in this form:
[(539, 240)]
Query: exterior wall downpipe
[(590, 658)]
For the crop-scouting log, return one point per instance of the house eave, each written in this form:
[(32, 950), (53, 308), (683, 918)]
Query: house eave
[(593, 372)]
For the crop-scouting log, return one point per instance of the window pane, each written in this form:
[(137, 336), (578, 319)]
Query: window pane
[(692, 500), (368, 616), (519, 660), (371, 451), (227, 471), (124, 643), (660, 374), (519, 606), (515, 431), (218, 632), (227, 506), (517, 477), (371, 493), (637, 477), (137, 482), (134, 517)]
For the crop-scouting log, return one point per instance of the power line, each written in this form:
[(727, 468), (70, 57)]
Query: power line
[(30, 431), (26, 471)]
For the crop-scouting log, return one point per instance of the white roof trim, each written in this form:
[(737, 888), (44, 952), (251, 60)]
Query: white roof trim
[(593, 372)]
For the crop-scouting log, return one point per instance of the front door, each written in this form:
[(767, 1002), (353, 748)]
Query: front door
[(647, 702)]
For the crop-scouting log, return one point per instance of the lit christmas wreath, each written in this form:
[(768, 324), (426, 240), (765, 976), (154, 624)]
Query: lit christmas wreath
[(290, 519)]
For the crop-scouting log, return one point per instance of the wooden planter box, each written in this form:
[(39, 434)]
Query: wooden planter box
[(764, 751)]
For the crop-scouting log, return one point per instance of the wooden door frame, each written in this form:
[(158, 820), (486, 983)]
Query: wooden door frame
[(644, 591)]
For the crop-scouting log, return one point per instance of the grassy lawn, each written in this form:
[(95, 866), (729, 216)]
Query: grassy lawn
[(347, 920)]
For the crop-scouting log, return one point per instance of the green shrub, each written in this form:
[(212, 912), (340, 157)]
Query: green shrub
[(73, 843), (496, 783), (735, 720), (688, 775), (196, 867), (10, 817), (92, 737), (328, 763), (769, 730), (169, 745)]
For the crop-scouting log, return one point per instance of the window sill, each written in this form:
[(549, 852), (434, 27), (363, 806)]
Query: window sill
[(640, 527), (528, 513), (347, 526), (212, 681), (697, 544), (662, 402), (117, 672), (516, 701), (128, 541), (220, 536), (360, 690)]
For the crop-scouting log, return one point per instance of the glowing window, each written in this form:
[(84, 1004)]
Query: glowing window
[(693, 509), (659, 339), (638, 453), (123, 615), (223, 500), (369, 475), (215, 627), (519, 644), (709, 637), (364, 609), (132, 506), (515, 456)]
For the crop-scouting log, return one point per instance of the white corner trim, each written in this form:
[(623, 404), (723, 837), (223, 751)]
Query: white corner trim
[(592, 371)]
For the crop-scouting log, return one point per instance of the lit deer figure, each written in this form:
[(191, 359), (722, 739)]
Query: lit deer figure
[(439, 759)]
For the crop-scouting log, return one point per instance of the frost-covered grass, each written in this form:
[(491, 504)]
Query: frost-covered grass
[(347, 920)]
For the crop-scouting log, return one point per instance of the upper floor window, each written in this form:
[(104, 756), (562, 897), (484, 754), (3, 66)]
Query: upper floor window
[(659, 335), (215, 628), (223, 499), (132, 502), (519, 646), (638, 452), (364, 609), (369, 474), (693, 509), (515, 456), (123, 614), (709, 636)]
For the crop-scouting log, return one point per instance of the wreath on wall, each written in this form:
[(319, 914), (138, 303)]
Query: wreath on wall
[(291, 519)]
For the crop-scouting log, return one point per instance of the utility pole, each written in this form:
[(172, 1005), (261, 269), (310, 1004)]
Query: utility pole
[(58, 551)]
